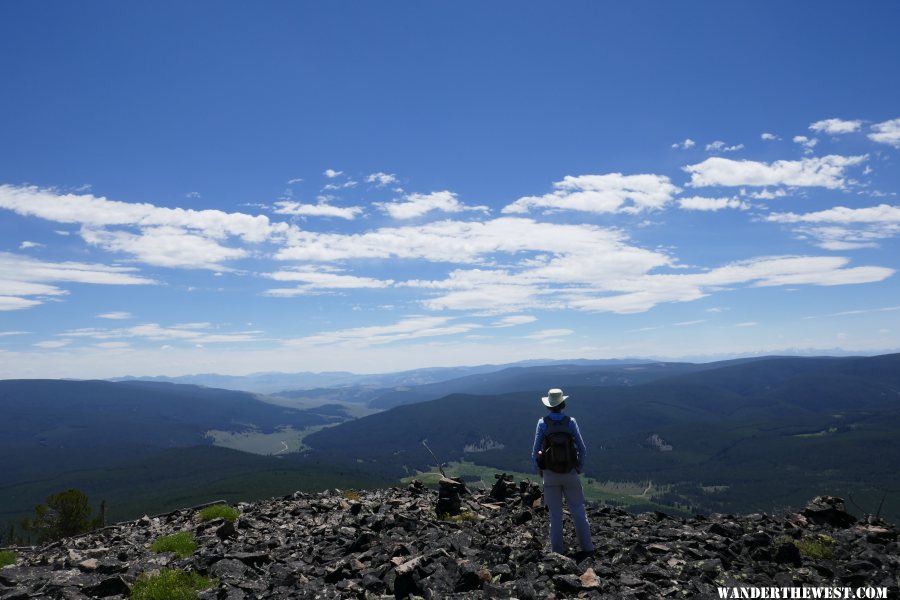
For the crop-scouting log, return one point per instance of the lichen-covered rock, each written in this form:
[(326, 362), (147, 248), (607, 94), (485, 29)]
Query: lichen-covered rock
[(391, 544)]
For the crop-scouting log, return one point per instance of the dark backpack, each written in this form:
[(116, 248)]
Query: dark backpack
[(558, 448)]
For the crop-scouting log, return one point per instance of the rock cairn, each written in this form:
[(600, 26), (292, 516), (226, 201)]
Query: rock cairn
[(391, 544)]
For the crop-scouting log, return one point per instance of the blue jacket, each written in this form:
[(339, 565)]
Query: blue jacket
[(576, 435)]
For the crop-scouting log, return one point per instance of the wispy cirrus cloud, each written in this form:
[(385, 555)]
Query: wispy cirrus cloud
[(549, 334), (316, 280), (193, 333), (26, 282), (409, 328), (52, 344), (610, 193), (826, 171), (116, 316), (513, 320)]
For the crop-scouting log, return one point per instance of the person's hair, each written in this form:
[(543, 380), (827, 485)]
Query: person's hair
[(558, 407)]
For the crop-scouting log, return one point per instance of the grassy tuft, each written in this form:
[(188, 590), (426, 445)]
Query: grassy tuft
[(818, 546), (169, 584), (352, 495), (463, 517), (182, 544), (219, 511), (7, 557)]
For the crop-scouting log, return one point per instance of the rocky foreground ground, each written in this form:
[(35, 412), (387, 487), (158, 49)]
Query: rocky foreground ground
[(390, 544)]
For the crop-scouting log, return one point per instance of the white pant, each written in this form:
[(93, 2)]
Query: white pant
[(555, 485)]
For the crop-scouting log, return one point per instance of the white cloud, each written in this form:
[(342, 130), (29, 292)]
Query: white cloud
[(171, 247), (53, 344), (610, 193), (883, 213), (16, 303), (835, 126), (747, 324), (193, 195), (381, 179), (116, 316), (765, 194), (170, 237), (410, 328), (96, 212), (331, 173), (514, 320), (462, 242), (887, 132), (113, 345), (546, 334), (416, 205), (322, 209), (313, 280), (10, 333), (711, 204), (826, 171), (340, 186), (689, 323), (22, 277), (685, 145), (842, 228), (634, 291), (769, 137), (26, 245), (807, 143), (191, 333), (294, 180), (720, 146), (864, 311)]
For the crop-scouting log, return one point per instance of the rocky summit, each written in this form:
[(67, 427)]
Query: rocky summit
[(392, 543)]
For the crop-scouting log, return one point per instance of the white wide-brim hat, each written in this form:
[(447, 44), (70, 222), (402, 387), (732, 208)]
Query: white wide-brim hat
[(554, 398)]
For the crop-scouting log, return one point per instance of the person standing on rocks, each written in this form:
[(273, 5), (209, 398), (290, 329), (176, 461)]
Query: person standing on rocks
[(558, 455)]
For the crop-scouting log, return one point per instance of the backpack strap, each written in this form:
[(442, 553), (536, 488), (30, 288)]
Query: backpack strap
[(562, 424)]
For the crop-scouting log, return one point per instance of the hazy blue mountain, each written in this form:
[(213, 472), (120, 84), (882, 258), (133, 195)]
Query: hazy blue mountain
[(272, 383), (260, 383), (535, 379)]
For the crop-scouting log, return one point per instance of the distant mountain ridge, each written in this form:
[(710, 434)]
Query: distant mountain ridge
[(272, 383)]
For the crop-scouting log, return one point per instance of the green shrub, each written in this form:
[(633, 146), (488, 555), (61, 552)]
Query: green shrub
[(352, 495), (463, 517), (819, 546), (219, 511), (169, 584), (182, 544), (7, 557)]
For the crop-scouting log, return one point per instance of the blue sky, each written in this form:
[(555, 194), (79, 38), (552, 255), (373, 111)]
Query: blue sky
[(371, 186)]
